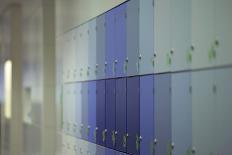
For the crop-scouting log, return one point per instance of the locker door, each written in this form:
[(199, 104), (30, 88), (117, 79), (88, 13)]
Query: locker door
[(110, 43), (223, 31), (223, 113), (121, 114), (84, 94), (72, 108), (100, 150), (181, 34), (162, 35), (203, 112), (66, 95), (101, 50), (78, 53), (120, 40), (92, 148), (162, 113), (92, 49), (100, 113), (146, 36), (132, 41), (78, 109), (146, 114), (92, 110), (110, 113), (181, 113), (203, 33), (133, 114)]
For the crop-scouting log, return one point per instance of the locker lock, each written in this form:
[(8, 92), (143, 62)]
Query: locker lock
[(172, 51), (155, 141), (81, 128), (172, 145), (140, 56), (105, 63), (193, 150), (138, 141), (126, 65), (192, 48), (216, 42), (125, 137), (96, 68), (113, 137), (104, 135), (88, 130), (95, 132)]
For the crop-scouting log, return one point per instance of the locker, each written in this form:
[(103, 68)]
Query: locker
[(120, 40), (203, 33), (181, 113), (223, 111), (101, 47), (121, 114), (146, 114), (163, 57), (78, 110), (101, 113), (162, 115), (110, 43), (181, 34), (92, 148), (72, 107), (132, 41), (100, 150), (91, 110), (223, 26), (146, 36), (133, 110), (83, 51), (84, 96), (66, 94), (92, 50), (203, 112), (110, 113)]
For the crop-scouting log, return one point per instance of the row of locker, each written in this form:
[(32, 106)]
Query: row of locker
[(145, 36), (172, 113)]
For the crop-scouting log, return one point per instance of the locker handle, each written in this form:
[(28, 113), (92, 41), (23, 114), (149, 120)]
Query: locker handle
[(88, 130), (212, 54), (126, 65), (88, 71), (125, 137), (114, 66), (104, 135), (138, 141), (95, 132), (113, 137), (96, 69)]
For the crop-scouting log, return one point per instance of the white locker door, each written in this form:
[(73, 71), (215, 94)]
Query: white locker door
[(223, 114), (224, 31), (203, 112), (203, 33), (78, 110), (65, 108), (72, 109), (181, 34), (162, 35), (92, 50)]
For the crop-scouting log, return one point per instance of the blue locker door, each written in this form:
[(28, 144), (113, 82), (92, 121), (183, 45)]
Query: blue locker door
[(101, 47), (100, 113), (92, 110), (162, 114), (121, 114), (146, 114), (110, 43), (110, 113), (132, 114), (84, 125), (132, 40), (78, 112), (146, 36), (181, 113), (120, 39)]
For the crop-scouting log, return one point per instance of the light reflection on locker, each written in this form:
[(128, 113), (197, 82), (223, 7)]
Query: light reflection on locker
[(162, 115), (146, 36), (181, 113), (132, 41), (147, 114)]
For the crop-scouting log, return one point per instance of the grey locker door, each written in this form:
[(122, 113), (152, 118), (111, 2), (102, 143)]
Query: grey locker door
[(101, 113), (65, 108), (101, 47), (162, 113), (132, 31), (146, 114), (203, 112), (133, 111), (92, 110), (222, 119), (78, 112), (121, 114), (84, 94), (146, 36), (92, 49), (181, 113), (120, 39), (110, 113), (181, 34), (110, 43)]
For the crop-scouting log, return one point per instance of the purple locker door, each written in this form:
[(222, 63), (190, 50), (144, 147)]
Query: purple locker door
[(133, 114), (162, 116), (146, 114), (100, 113), (92, 110), (110, 113), (120, 40), (121, 114), (110, 44), (84, 94)]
